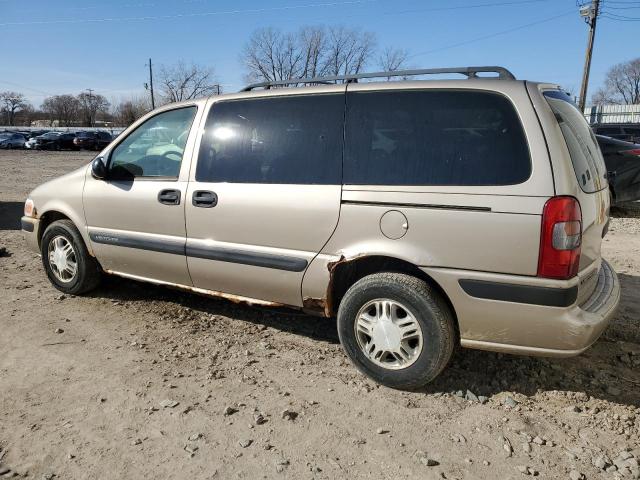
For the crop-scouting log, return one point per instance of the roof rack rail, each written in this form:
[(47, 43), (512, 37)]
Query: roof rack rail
[(469, 72)]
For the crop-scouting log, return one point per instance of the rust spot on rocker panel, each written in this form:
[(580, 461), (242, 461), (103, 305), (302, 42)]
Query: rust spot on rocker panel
[(315, 306), (325, 305)]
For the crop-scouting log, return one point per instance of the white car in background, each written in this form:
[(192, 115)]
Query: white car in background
[(31, 143)]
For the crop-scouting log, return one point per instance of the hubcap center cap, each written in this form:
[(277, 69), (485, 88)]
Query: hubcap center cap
[(60, 259), (386, 334)]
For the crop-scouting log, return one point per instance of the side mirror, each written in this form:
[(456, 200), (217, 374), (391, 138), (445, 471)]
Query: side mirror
[(99, 168)]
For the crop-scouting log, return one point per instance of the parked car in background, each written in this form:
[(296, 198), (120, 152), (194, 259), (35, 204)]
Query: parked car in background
[(31, 138), (92, 140), (623, 168), (56, 141), (31, 143), (629, 132), (12, 140), (43, 141)]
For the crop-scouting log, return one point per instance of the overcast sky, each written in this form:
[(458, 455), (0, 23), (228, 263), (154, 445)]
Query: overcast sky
[(66, 46)]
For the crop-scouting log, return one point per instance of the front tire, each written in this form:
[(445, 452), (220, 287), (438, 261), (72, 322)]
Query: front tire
[(396, 329), (66, 259)]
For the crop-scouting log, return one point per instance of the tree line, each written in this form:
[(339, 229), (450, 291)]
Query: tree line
[(270, 54)]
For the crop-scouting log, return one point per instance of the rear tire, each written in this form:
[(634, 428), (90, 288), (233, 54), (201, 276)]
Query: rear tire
[(405, 317), (66, 259)]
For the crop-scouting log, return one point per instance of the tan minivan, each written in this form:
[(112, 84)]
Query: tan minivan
[(423, 214)]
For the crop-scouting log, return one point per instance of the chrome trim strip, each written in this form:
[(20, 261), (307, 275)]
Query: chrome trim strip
[(417, 205)]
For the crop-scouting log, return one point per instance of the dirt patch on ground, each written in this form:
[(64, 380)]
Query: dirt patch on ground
[(138, 381)]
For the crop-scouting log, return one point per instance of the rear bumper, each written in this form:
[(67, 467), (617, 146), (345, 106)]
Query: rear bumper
[(546, 321), (30, 229)]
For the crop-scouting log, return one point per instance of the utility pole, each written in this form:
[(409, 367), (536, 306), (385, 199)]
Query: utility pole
[(153, 101), (591, 17), (90, 90)]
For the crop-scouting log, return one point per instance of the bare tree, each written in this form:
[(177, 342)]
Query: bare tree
[(393, 59), (63, 108), (185, 82), (349, 50), (25, 116), (312, 42), (128, 110), (90, 105), (621, 85), (10, 104), (271, 55)]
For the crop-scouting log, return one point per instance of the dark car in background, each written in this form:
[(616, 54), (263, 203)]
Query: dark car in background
[(12, 140), (623, 168), (629, 132), (92, 140), (56, 141)]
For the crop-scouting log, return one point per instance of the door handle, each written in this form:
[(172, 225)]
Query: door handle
[(204, 199), (169, 197)]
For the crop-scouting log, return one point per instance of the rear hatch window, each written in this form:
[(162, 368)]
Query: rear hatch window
[(581, 142)]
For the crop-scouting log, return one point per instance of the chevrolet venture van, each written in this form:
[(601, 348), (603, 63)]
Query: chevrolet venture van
[(422, 214)]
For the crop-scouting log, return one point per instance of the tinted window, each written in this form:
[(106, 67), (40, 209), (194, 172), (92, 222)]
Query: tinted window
[(582, 144), (293, 139), (434, 138), (155, 148)]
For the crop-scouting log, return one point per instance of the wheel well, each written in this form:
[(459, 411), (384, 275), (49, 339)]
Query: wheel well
[(347, 272), (47, 219)]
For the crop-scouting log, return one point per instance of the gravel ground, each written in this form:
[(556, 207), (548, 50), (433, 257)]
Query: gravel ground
[(137, 381)]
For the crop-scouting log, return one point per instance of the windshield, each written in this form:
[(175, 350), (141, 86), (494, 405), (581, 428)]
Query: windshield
[(581, 142), (4, 136)]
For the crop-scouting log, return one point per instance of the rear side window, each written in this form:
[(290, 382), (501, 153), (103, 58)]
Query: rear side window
[(581, 142), (434, 137), (286, 140)]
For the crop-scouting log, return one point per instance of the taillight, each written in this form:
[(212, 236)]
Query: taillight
[(635, 151), (560, 238)]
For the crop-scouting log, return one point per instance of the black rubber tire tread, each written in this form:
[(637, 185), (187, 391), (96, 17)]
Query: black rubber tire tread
[(89, 272), (431, 311)]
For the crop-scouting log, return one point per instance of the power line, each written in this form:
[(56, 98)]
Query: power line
[(467, 7), (263, 10), (491, 35), (26, 88), (620, 17), (621, 2), (186, 15), (617, 19), (613, 7)]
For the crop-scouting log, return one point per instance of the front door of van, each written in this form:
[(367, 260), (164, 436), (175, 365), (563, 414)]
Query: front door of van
[(135, 216), (265, 195)]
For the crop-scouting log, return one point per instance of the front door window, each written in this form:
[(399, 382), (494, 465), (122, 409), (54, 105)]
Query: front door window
[(155, 148)]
